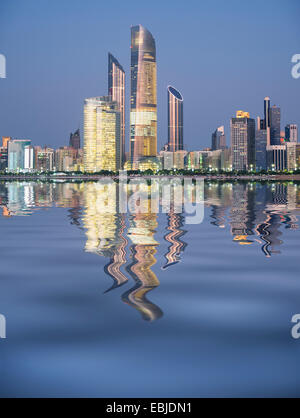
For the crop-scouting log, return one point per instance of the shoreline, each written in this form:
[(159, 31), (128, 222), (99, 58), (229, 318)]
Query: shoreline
[(85, 178)]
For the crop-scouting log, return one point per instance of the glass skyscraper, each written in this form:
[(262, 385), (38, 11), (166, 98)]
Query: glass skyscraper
[(143, 102), (101, 135), (175, 120), (16, 154), (116, 92), (261, 143), (275, 122)]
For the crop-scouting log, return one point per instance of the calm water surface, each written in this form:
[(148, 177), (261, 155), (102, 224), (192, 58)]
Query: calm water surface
[(120, 305)]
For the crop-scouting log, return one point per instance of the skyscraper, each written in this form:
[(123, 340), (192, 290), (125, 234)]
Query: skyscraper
[(261, 140), (75, 140), (291, 133), (116, 92), (101, 135), (218, 139), (143, 102), (275, 125), (266, 124), (267, 105), (243, 141), (16, 154), (175, 120)]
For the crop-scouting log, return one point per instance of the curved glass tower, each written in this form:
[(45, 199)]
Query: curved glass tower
[(143, 102), (175, 120)]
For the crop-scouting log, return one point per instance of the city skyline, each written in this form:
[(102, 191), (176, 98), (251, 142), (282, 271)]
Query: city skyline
[(262, 78)]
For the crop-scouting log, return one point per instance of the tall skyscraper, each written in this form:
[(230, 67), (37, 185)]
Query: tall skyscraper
[(275, 125), (267, 105), (116, 92), (266, 124), (291, 133), (102, 132), (143, 102), (16, 154), (218, 139), (75, 140), (175, 120), (243, 141)]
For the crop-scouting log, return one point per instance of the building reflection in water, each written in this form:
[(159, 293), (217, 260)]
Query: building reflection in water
[(256, 215), (173, 236)]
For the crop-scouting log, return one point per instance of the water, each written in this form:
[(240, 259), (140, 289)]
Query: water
[(120, 305)]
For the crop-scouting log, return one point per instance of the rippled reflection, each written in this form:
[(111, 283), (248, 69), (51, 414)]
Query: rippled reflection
[(255, 214)]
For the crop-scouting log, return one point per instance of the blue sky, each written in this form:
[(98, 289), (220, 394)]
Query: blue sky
[(222, 56)]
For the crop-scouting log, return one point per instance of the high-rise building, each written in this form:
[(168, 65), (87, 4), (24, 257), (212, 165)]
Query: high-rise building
[(65, 158), (275, 125), (75, 140), (16, 154), (242, 141), (102, 132), (218, 139), (261, 142), (291, 155), (267, 105), (277, 157), (29, 160), (116, 92), (5, 141), (298, 156), (291, 133), (175, 120), (143, 102)]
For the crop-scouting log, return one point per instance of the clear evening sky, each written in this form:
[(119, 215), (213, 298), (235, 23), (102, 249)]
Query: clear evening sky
[(221, 55)]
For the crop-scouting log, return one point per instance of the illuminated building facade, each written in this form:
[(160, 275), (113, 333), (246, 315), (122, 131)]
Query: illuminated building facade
[(5, 141), (175, 120), (116, 92), (277, 157), (243, 141), (101, 135), (291, 133), (143, 102), (16, 154)]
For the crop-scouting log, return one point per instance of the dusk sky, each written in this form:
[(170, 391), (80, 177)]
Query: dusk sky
[(221, 55)]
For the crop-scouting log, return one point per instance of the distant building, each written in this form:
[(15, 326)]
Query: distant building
[(175, 120), (179, 159), (277, 157), (29, 158), (65, 158), (16, 154), (291, 133), (102, 132), (3, 159), (275, 122), (298, 156), (75, 140), (261, 142), (167, 160), (218, 139), (44, 159), (291, 157), (5, 141), (243, 141)]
